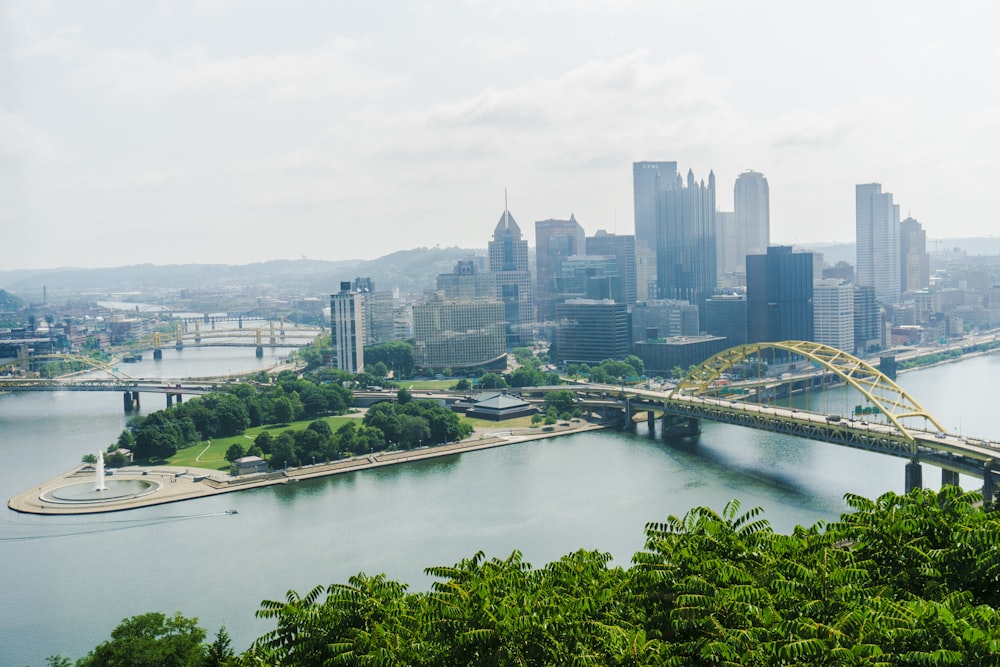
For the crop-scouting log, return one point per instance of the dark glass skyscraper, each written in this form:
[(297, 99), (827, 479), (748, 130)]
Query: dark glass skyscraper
[(685, 241), (648, 179), (780, 295)]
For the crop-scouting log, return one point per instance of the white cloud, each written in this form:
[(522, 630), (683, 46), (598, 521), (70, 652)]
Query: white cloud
[(305, 76), (19, 140), (145, 180)]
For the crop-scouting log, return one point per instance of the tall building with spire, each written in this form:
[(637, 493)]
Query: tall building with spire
[(685, 240), (508, 255), (752, 209), (877, 240), (555, 240)]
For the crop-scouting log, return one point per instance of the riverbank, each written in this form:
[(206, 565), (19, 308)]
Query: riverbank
[(174, 484)]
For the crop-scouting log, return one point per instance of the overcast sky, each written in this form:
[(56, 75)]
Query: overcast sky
[(236, 131)]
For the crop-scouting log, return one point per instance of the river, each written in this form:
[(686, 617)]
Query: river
[(69, 580)]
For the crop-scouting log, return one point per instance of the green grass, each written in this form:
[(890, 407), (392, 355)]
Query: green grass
[(214, 458), (436, 385)]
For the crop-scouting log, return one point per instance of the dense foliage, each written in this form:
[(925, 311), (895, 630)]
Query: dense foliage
[(901, 580), (160, 434)]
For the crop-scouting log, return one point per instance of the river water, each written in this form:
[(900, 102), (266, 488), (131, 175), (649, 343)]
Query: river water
[(67, 581)]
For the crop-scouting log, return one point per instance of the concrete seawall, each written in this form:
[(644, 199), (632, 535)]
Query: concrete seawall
[(177, 484)]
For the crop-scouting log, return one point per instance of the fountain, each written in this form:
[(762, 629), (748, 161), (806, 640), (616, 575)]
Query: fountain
[(99, 484), (100, 490)]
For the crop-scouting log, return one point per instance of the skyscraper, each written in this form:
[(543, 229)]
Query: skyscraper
[(648, 179), (833, 313), (780, 295), (915, 264), (752, 206), (877, 223), (685, 241), (622, 248), (508, 254), (730, 256), (555, 240), (347, 328)]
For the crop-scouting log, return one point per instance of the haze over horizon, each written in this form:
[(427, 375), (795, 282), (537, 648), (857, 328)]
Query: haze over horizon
[(234, 132)]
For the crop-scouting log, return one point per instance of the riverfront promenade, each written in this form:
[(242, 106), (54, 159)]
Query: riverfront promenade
[(174, 484)]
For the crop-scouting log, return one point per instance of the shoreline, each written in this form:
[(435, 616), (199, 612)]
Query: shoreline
[(174, 484)]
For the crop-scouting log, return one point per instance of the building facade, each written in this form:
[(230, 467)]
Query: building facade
[(668, 317), (726, 315), (662, 356), (622, 248), (649, 180), (458, 334), (685, 250), (833, 313), (752, 208), (914, 262), (347, 325), (555, 240), (779, 295), (508, 254), (868, 328), (877, 239), (591, 330)]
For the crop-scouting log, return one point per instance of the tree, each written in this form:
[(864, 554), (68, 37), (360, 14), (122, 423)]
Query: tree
[(492, 381), (89, 458), (463, 385), (403, 396), (220, 651), (150, 640), (263, 441), (283, 413), (234, 452), (379, 369), (563, 401)]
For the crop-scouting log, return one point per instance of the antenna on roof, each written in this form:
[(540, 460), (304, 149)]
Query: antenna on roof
[(506, 214)]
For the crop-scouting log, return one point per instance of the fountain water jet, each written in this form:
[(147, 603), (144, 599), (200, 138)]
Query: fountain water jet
[(99, 484)]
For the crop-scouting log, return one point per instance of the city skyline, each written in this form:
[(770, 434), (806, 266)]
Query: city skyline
[(220, 132)]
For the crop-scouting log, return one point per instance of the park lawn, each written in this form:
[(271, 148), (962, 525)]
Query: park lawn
[(214, 458), (435, 385)]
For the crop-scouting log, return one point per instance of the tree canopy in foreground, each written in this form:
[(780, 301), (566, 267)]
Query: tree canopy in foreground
[(901, 580)]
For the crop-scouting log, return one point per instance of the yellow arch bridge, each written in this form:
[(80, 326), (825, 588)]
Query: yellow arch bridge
[(892, 422)]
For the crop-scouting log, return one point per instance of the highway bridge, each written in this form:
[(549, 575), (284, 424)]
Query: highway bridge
[(891, 422)]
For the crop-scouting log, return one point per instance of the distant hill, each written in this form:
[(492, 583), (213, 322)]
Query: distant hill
[(411, 271)]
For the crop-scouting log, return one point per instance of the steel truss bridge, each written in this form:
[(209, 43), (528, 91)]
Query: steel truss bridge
[(894, 423), (112, 379)]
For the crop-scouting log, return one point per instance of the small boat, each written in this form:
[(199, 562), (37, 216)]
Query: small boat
[(232, 511)]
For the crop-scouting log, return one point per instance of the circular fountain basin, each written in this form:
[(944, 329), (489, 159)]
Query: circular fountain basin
[(84, 492)]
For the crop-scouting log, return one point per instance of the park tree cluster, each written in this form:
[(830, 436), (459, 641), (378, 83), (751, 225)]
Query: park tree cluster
[(412, 423), (901, 580), (386, 426), (610, 371), (160, 434)]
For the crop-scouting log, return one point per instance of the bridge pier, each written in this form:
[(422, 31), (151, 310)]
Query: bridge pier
[(989, 484), (949, 477), (157, 354), (651, 422), (676, 426), (914, 476), (130, 401), (170, 400), (260, 352)]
